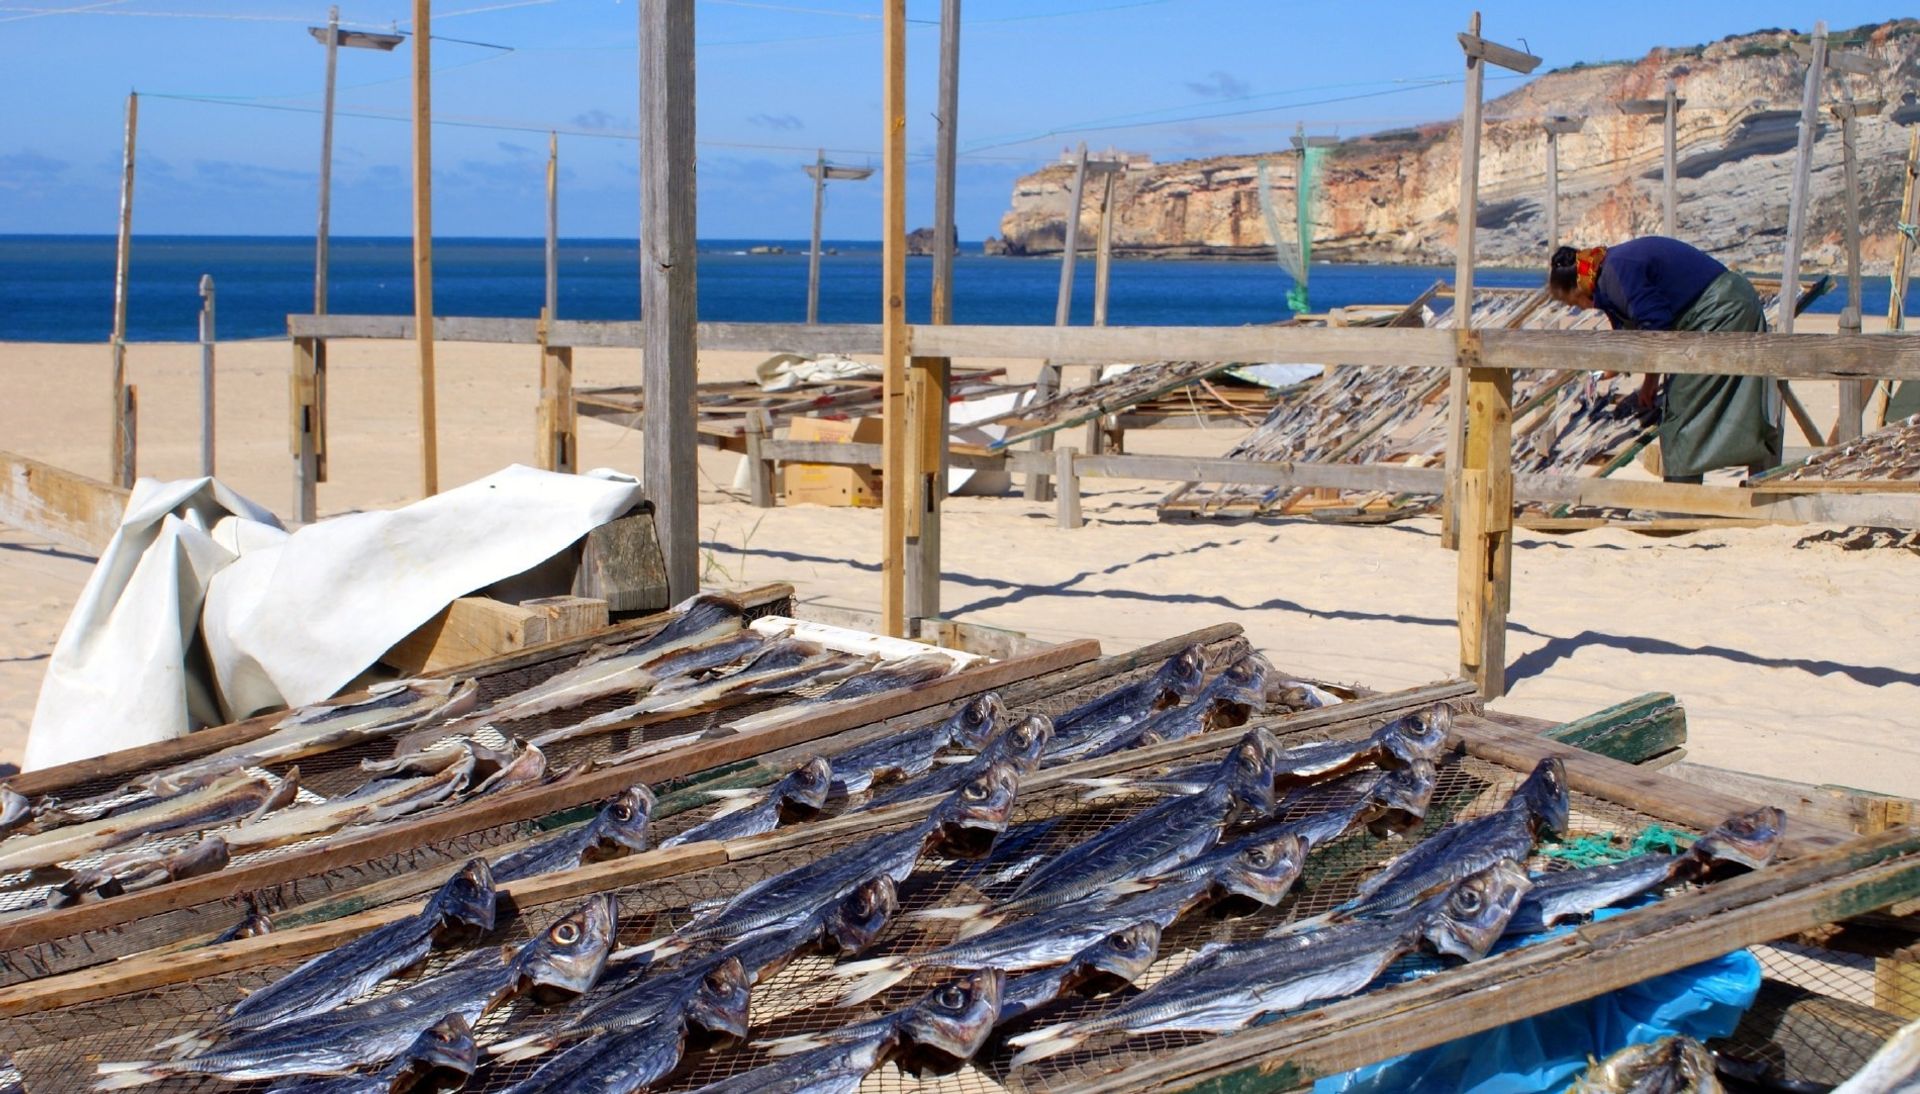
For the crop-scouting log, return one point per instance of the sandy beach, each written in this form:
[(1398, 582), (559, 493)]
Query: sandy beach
[(1792, 660)]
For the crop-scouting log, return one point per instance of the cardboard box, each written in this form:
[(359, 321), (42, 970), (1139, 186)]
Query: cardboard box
[(830, 484)]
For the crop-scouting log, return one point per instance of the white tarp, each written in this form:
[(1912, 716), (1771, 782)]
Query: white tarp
[(287, 619), (787, 371)]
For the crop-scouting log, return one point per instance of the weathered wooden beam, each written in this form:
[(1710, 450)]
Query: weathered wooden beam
[(474, 628), (67, 508), (896, 441), (423, 246), (1633, 731), (1484, 507)]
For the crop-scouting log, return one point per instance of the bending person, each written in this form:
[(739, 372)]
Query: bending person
[(1656, 283)]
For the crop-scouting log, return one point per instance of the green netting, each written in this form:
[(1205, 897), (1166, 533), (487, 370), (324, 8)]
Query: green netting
[(1599, 848), (1295, 254)]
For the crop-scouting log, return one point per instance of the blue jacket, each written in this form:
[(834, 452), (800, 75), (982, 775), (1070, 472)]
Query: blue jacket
[(1647, 283)]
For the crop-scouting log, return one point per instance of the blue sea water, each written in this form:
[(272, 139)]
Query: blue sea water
[(60, 288)]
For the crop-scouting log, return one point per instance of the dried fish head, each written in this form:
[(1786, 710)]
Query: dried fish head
[(1751, 839), (467, 898), (1237, 694), (16, 808), (1670, 1064), (1121, 957), (568, 957), (442, 1058), (1264, 869), (622, 824), (1247, 773), (1469, 918), (1182, 676), (719, 1005), (968, 820), (859, 918), (806, 787), (1544, 795), (1402, 796), (1022, 743), (973, 725), (948, 1025), (1419, 736)]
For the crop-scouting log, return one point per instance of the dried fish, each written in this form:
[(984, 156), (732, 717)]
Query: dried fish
[(566, 959), (527, 767), (253, 925), (944, 1027), (684, 666), (15, 809), (439, 1061), (907, 672), (437, 756), (373, 803), (964, 823), (1232, 987), (798, 795), (1114, 960), (141, 869), (1178, 679), (463, 904), (222, 800), (1538, 805), (1022, 744), (1227, 701), (1670, 1065), (619, 827), (905, 755)]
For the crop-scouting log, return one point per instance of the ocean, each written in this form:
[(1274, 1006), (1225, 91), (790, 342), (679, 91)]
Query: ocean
[(60, 288)]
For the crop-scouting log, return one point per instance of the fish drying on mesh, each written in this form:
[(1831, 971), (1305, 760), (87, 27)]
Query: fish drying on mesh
[(799, 795), (254, 925), (439, 1061), (1396, 744), (1021, 743), (1383, 802), (1670, 1065), (526, 767), (1110, 962), (1260, 869), (1152, 842), (1177, 679), (433, 757), (619, 827), (782, 666), (1227, 701), (1538, 806), (403, 707), (634, 1057), (564, 960), (902, 674), (16, 809), (120, 874), (964, 824), (464, 905), (1231, 987), (1749, 840), (374, 802), (912, 752), (225, 799)]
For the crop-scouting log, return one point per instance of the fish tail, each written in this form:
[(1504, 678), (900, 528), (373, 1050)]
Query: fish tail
[(124, 1075), (794, 1045), (960, 912), (521, 1048), (735, 800), (1044, 1042), (653, 950), (185, 1043), (875, 976), (1108, 787)]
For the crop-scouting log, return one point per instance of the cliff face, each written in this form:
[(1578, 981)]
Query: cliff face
[(1393, 197)]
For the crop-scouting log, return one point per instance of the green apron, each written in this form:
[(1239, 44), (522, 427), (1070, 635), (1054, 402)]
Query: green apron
[(1709, 422)]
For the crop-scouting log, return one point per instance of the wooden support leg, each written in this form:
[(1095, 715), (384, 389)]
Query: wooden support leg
[(759, 468), (304, 407), (556, 421), (929, 386), (120, 455), (1068, 487), (1485, 521), (1049, 383), (130, 433)]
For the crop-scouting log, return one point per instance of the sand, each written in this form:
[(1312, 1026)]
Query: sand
[(1792, 661)]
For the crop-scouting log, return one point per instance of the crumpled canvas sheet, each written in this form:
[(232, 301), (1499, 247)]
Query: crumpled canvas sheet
[(286, 619), (787, 371)]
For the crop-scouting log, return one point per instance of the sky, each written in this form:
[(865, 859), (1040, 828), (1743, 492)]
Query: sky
[(229, 124)]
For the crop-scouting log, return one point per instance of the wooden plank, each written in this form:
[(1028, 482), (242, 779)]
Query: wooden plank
[(1802, 170), (622, 564), (893, 302), (469, 629), (537, 801), (423, 244), (1632, 731), (556, 417), (1613, 953), (1838, 807), (1485, 519), (759, 464), (1068, 485), (1467, 217), (667, 286), (62, 506)]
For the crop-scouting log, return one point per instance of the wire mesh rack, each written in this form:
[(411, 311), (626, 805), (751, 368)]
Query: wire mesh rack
[(803, 996)]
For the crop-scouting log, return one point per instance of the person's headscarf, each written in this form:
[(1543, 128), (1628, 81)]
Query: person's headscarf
[(1586, 268)]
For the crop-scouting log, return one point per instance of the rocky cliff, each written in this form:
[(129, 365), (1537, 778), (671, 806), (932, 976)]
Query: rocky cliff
[(1393, 197)]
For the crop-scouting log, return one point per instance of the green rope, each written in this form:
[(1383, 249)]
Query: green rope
[(1605, 847)]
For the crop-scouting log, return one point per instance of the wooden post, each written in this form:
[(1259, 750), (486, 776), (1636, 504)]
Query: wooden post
[(1486, 520), (304, 398), (120, 454), (667, 286), (314, 470), (1852, 393), (556, 420), (1908, 213), (1466, 213), (928, 398), (1049, 382), (1553, 190), (1102, 273), (1802, 168), (130, 413), (423, 243), (1068, 485), (553, 226), (323, 227), (759, 468), (813, 251), (206, 375), (895, 485), (1669, 213)]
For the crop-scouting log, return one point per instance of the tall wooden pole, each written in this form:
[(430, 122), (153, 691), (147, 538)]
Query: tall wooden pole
[(1037, 486), (1467, 213), (668, 288), (553, 226), (1669, 213), (813, 250), (931, 376), (1852, 393), (1103, 250), (324, 227), (895, 478), (423, 242), (1802, 169), (1553, 190), (206, 375), (1908, 213), (120, 455)]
